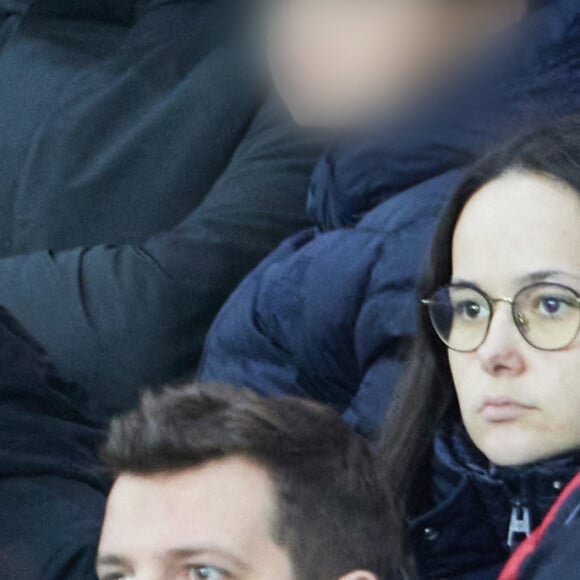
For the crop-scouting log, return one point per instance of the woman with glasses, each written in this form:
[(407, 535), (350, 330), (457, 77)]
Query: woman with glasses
[(485, 433)]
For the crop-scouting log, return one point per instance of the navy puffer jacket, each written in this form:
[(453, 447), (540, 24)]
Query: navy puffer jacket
[(329, 314)]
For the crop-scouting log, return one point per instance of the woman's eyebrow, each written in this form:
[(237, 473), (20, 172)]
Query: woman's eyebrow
[(468, 283), (111, 560), (543, 275)]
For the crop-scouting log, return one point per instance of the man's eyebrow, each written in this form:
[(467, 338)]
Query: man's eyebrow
[(189, 552), (178, 553)]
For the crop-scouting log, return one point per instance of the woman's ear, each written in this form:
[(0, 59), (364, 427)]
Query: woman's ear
[(359, 575)]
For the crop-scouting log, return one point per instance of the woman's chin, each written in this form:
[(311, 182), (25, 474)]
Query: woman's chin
[(514, 449)]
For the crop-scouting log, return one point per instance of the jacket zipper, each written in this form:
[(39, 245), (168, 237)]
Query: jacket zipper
[(520, 525)]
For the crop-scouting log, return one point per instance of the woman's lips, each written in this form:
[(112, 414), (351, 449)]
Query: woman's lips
[(503, 410)]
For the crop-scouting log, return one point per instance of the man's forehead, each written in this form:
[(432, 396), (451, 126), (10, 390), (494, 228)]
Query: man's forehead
[(221, 501)]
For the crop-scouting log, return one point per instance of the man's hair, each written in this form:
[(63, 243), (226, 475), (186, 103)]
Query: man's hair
[(333, 516)]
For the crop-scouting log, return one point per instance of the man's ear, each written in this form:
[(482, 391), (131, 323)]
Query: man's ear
[(359, 575)]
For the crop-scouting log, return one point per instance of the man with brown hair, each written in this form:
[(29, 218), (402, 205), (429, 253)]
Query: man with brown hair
[(217, 483)]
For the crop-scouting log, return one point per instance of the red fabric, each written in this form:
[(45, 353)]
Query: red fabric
[(515, 563)]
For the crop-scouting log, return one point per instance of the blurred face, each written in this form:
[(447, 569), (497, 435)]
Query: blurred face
[(212, 522), (518, 403), (338, 62)]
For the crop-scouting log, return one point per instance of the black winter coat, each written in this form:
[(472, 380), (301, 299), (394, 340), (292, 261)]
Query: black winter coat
[(141, 176), (52, 495)]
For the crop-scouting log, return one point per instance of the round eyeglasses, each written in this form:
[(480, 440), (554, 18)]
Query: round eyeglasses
[(547, 315)]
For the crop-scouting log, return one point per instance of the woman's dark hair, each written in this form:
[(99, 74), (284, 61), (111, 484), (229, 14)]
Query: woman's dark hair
[(426, 398)]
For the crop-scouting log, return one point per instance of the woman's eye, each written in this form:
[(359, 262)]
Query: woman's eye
[(470, 310), (552, 306), (208, 573)]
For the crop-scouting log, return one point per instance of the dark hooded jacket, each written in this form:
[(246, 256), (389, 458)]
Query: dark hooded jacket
[(142, 175), (470, 516), (330, 313), (52, 495)]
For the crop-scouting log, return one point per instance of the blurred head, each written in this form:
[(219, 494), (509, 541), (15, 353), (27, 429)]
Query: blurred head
[(219, 484), (337, 62), (499, 351)]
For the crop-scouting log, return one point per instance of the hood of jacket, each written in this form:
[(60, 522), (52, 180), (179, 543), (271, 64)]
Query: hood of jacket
[(470, 522), (541, 56)]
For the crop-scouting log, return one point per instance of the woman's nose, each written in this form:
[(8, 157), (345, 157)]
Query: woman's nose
[(501, 351)]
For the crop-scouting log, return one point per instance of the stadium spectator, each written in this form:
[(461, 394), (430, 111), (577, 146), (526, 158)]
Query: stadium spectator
[(292, 460), (483, 436), (218, 483)]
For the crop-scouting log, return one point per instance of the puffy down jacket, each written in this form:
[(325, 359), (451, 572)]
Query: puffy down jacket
[(330, 313)]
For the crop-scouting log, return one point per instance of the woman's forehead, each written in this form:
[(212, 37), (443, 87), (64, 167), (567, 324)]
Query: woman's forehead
[(516, 227)]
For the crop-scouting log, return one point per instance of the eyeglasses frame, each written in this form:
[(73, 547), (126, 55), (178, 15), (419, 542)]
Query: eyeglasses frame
[(517, 317)]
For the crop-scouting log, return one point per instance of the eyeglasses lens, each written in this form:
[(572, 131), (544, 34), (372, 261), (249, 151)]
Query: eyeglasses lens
[(548, 316), (461, 317)]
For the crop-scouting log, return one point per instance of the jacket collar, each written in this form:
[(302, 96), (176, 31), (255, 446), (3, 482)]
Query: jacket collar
[(474, 506), (456, 455)]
